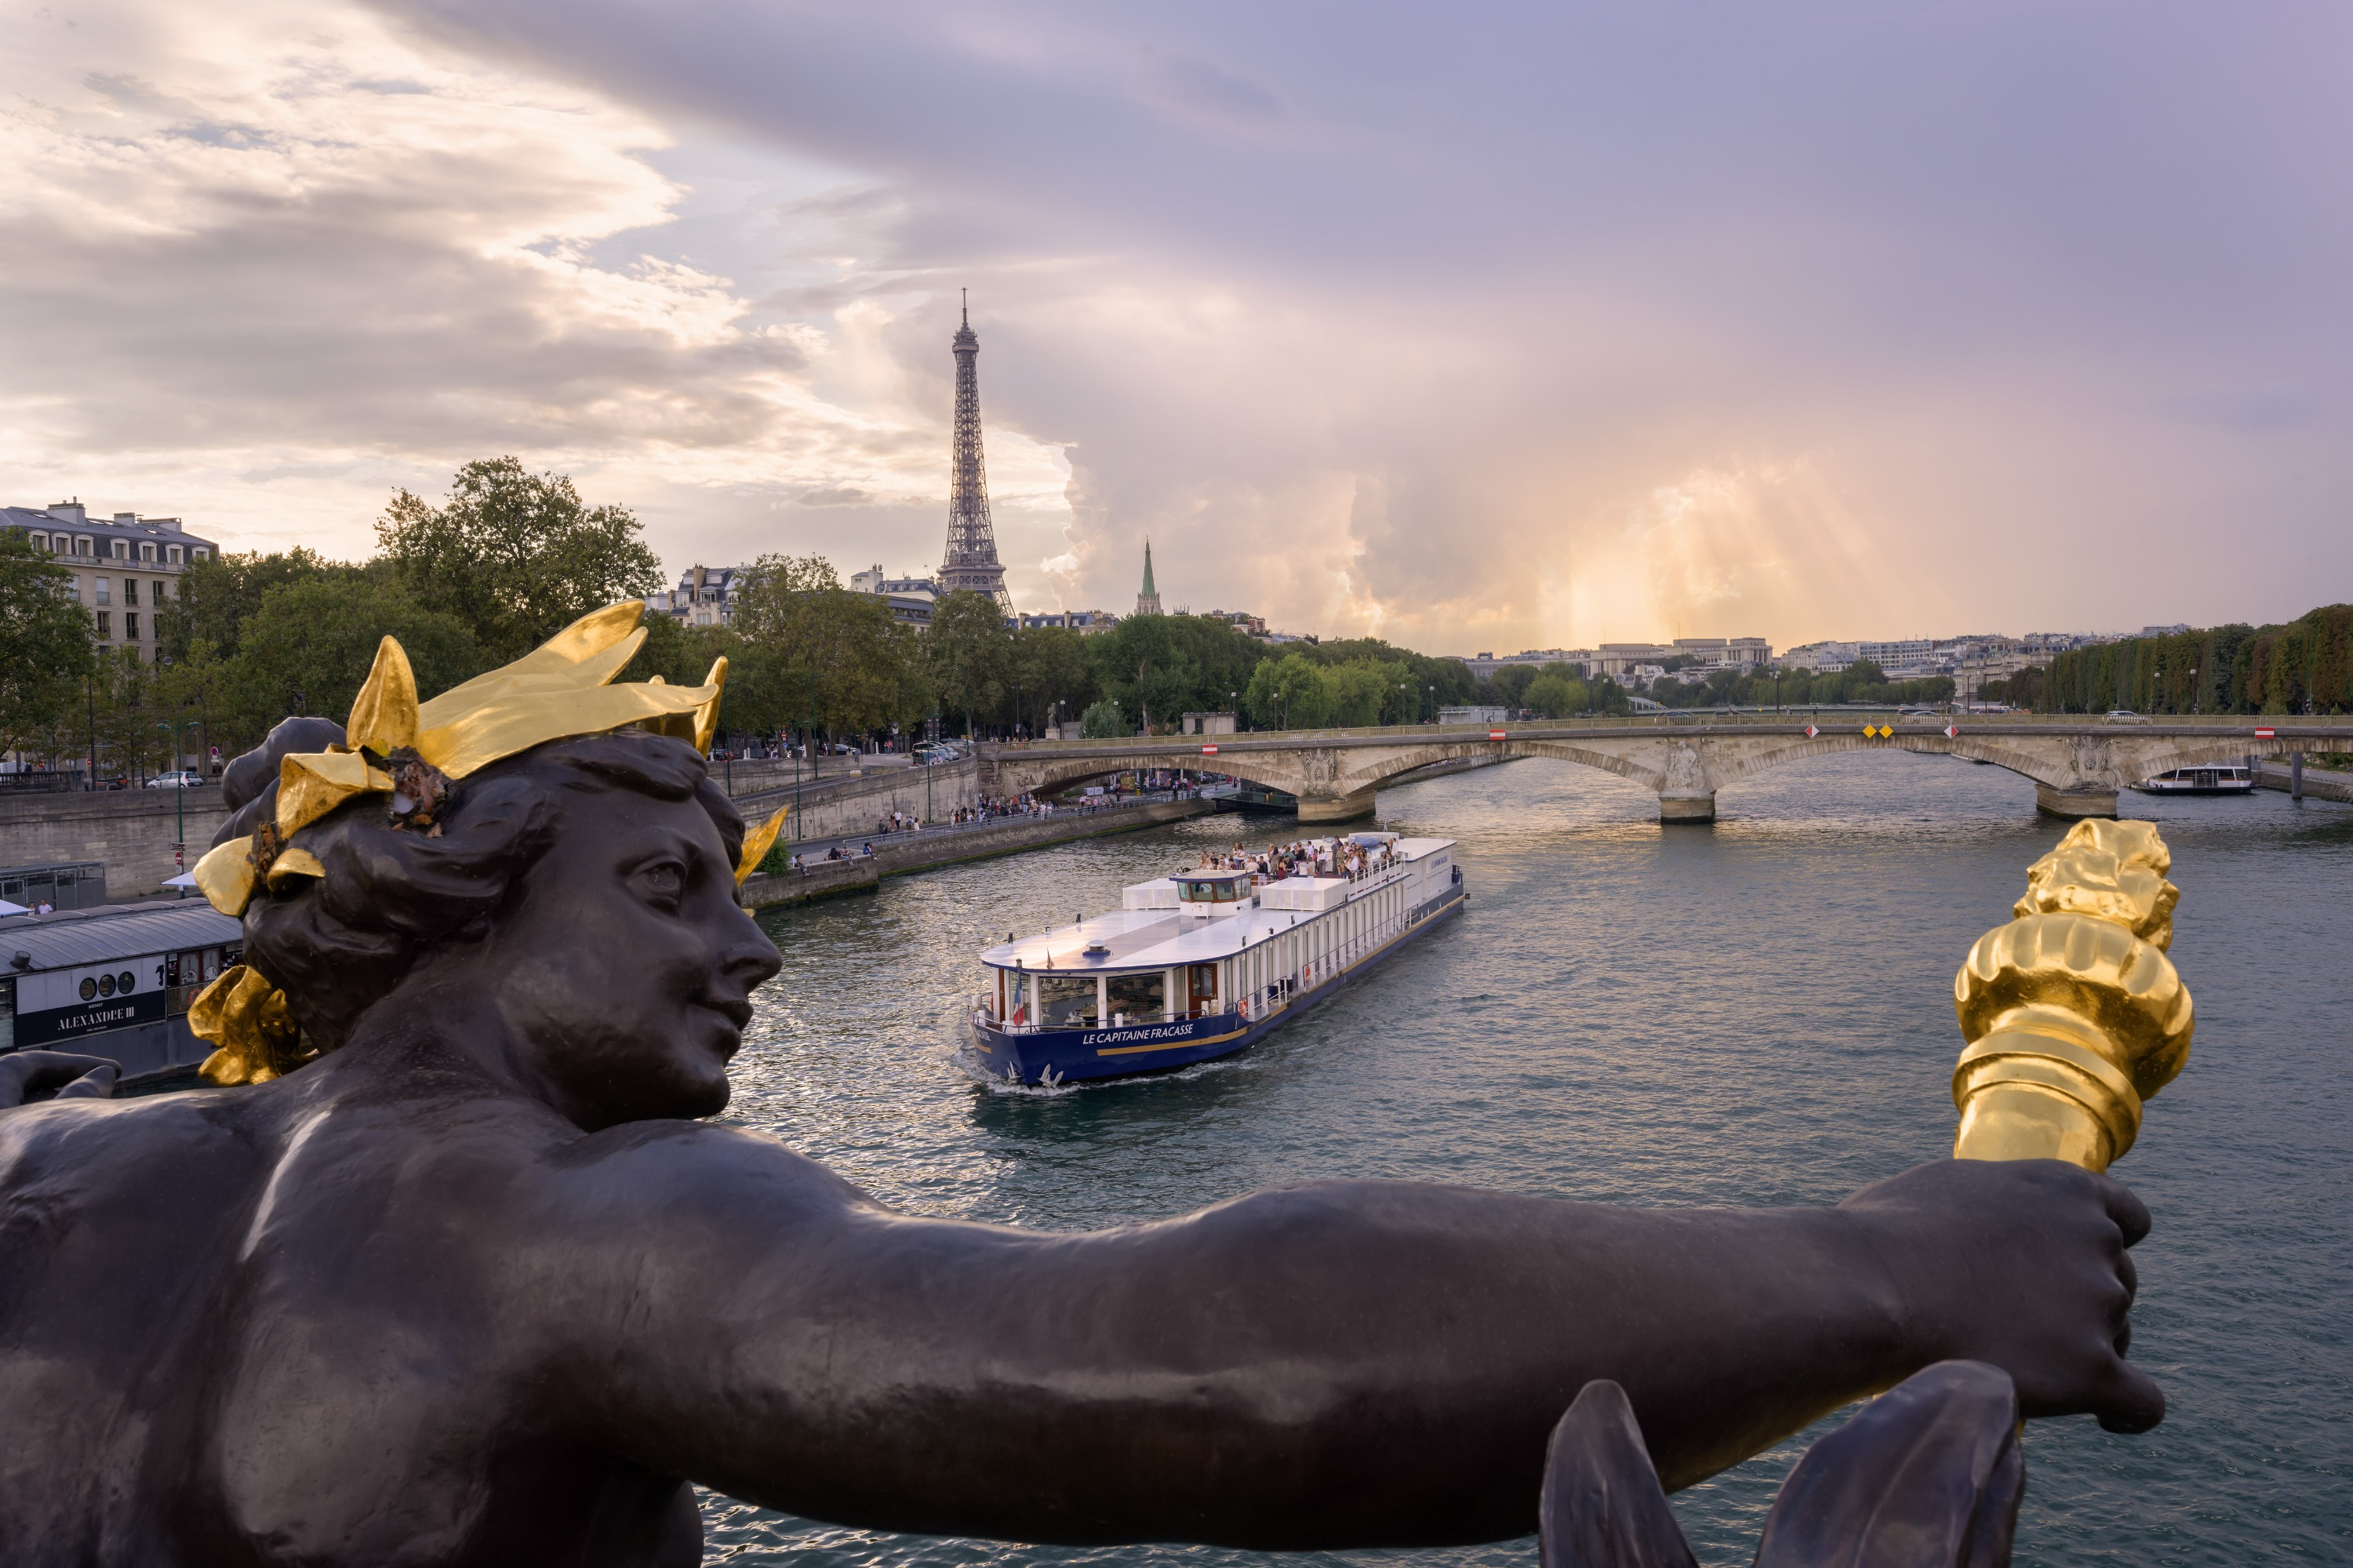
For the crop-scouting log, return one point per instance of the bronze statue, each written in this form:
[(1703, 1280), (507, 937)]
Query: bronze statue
[(451, 1274)]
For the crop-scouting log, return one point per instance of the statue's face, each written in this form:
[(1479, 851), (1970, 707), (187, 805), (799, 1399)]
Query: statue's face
[(626, 968)]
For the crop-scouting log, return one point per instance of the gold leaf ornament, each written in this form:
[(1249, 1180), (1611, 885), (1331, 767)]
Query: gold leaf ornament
[(559, 690), (758, 842), (246, 1020)]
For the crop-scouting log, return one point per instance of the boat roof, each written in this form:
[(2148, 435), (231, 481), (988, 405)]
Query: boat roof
[(75, 936), (1142, 939)]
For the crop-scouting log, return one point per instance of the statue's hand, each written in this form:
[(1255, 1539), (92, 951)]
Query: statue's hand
[(29, 1076), (2021, 1263)]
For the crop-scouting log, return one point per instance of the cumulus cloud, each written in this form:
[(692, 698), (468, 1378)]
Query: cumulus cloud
[(1497, 327)]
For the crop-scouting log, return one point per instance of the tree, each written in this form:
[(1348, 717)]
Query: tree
[(308, 645), (1555, 694), (217, 596), (1289, 693), (1104, 721), (199, 687), (1172, 664), (1049, 669), (824, 656), (1508, 686), (1432, 682), (1362, 689), (121, 714), (46, 646), (516, 557), (969, 653)]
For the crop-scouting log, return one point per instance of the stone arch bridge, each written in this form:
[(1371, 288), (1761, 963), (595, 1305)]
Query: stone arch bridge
[(2077, 765)]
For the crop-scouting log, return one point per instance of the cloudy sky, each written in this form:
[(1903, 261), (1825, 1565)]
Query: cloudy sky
[(1472, 326)]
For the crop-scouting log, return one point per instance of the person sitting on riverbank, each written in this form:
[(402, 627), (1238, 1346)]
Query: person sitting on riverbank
[(456, 1274)]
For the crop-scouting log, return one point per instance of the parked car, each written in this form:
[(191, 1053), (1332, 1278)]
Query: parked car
[(2124, 716), (183, 779)]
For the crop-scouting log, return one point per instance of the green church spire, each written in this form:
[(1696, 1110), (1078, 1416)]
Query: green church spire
[(1149, 601)]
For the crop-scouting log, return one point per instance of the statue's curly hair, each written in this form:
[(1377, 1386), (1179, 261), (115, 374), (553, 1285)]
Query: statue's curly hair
[(337, 945)]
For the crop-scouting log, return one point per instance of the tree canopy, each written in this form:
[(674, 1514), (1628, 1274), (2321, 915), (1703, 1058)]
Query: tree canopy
[(515, 556), (46, 646)]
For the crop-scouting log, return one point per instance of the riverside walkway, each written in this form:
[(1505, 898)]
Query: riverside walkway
[(948, 844), (2078, 764)]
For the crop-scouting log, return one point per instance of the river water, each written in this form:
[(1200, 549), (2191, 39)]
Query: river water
[(1757, 1012)]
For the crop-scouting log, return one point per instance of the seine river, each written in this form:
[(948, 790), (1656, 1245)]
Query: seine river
[(1755, 1014)]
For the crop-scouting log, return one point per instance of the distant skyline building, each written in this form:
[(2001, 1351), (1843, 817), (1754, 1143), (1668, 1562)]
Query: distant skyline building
[(123, 569), (1147, 599), (971, 560)]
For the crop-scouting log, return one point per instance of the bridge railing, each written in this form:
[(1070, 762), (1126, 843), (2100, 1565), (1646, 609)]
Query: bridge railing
[(1839, 714)]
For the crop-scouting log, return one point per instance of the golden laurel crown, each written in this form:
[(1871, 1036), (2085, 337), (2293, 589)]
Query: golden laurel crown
[(410, 753)]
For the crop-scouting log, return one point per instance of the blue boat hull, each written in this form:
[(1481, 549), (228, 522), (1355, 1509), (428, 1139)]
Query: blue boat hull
[(1070, 1055)]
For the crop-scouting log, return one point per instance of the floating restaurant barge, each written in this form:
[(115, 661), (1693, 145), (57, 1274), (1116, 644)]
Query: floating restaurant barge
[(113, 982), (1197, 965)]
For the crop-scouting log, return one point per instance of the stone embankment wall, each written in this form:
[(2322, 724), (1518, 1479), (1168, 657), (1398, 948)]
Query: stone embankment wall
[(919, 852), (130, 830), (839, 807), (2319, 784), (746, 777)]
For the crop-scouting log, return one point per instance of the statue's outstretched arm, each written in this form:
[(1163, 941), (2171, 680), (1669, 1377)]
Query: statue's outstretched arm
[(1348, 1363)]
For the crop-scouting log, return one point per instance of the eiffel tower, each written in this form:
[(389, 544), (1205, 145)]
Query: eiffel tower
[(972, 539)]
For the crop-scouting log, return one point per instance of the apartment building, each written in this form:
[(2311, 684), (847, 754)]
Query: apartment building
[(124, 569)]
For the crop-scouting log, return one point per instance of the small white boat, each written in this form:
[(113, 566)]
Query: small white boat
[(2213, 778)]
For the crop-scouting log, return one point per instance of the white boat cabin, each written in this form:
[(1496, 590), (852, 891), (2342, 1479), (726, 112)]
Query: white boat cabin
[(1227, 938)]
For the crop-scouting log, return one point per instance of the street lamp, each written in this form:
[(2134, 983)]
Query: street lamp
[(180, 799), (2193, 689), (801, 829)]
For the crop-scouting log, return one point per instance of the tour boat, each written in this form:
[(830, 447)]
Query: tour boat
[(1200, 963), (2214, 778)]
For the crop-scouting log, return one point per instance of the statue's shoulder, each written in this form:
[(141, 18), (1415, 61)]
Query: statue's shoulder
[(664, 1171), (101, 1141)]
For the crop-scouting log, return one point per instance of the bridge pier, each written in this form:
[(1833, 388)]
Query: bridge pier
[(1319, 808), (2086, 801), (1696, 807)]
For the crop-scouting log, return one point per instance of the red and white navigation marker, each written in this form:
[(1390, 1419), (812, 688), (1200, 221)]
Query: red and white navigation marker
[(2265, 733), (1208, 751), (1812, 732), (1952, 732), (1495, 734)]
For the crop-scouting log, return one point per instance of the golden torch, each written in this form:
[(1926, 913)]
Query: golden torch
[(2072, 1013)]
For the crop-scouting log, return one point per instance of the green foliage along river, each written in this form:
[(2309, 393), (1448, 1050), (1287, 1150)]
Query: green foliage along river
[(1758, 1013)]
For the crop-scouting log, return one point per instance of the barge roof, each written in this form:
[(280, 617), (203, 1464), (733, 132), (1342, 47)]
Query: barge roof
[(1144, 939), (76, 937)]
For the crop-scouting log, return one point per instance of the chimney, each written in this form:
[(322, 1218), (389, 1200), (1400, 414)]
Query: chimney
[(126, 519), (70, 511)]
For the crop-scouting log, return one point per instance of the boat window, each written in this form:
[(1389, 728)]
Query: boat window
[(1140, 997), (7, 1016), (1066, 1002)]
